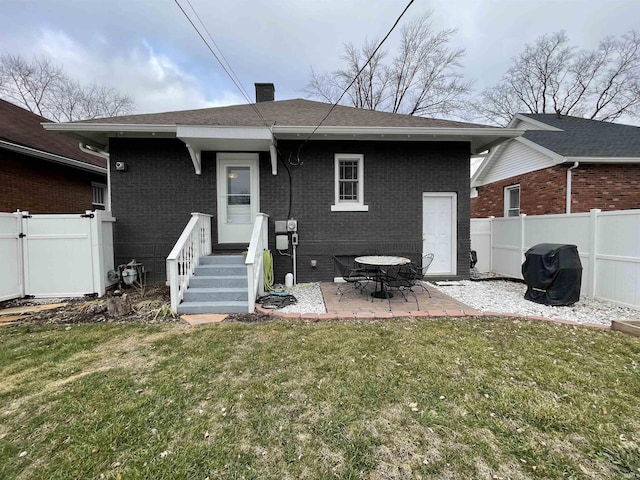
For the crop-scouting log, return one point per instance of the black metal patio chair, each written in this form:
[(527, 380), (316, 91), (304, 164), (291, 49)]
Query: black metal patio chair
[(355, 278), (401, 279), (426, 263)]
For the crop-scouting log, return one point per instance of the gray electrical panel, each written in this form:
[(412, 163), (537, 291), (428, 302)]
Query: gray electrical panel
[(280, 226)]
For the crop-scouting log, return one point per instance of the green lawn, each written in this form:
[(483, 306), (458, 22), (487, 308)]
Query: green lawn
[(470, 398)]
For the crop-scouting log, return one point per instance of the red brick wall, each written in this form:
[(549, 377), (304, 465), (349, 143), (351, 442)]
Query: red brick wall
[(607, 187), (32, 184)]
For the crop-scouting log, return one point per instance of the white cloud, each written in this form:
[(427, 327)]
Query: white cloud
[(154, 80)]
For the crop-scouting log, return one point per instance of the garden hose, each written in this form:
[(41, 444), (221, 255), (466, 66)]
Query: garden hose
[(267, 260)]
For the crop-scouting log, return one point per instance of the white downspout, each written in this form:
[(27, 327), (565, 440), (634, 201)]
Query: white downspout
[(105, 155), (568, 204)]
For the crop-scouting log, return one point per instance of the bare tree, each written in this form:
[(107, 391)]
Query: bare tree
[(423, 78), (43, 88), (552, 76)]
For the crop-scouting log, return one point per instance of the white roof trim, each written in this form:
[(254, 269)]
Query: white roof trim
[(108, 127), (603, 159), (440, 131), (545, 151), (480, 138), (52, 157), (490, 159), (536, 123)]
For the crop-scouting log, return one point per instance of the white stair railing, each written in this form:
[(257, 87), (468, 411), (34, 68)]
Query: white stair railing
[(255, 255), (194, 243)]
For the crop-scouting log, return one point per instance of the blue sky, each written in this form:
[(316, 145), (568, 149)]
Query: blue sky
[(147, 48)]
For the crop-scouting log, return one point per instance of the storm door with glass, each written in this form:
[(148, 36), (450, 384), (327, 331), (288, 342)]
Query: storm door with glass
[(238, 196)]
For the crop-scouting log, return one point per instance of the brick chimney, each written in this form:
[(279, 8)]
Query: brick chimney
[(265, 92)]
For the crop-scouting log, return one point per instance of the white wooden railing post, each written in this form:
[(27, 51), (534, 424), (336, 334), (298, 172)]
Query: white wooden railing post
[(254, 260), (593, 252), (194, 242)]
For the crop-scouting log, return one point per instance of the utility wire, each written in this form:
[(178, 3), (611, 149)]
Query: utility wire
[(235, 81), (358, 74), (243, 91)]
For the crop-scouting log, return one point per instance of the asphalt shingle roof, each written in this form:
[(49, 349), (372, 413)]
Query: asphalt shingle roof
[(22, 127), (585, 138), (296, 112)]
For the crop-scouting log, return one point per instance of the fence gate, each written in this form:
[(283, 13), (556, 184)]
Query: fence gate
[(11, 278), (57, 255)]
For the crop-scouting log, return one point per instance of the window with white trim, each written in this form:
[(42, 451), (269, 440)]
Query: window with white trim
[(512, 201), (98, 195), (349, 183)]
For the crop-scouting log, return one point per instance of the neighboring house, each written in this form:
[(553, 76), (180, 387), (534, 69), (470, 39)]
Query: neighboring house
[(561, 164), (362, 182), (45, 172)]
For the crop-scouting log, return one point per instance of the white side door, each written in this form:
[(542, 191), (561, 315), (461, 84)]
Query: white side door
[(238, 196), (439, 233)]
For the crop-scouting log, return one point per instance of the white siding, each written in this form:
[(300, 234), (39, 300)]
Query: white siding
[(513, 159)]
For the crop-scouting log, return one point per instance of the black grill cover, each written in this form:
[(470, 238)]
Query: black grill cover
[(553, 274)]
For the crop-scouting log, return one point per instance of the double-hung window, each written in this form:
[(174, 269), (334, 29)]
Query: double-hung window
[(98, 195), (512, 201), (349, 183)]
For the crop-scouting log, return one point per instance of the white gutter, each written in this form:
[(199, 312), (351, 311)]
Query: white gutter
[(109, 127), (604, 159), (395, 131), (97, 153), (52, 157), (568, 202)]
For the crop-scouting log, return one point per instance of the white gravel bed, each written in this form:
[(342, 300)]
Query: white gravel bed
[(309, 298), (502, 296), (498, 296)]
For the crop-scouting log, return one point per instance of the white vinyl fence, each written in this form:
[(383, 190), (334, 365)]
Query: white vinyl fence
[(608, 244), (55, 255)]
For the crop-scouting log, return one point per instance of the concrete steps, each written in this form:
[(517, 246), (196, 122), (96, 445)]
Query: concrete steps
[(219, 285)]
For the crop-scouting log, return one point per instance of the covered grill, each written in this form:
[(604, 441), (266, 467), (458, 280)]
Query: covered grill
[(553, 274)]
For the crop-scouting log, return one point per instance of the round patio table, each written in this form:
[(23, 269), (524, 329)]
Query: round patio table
[(379, 261)]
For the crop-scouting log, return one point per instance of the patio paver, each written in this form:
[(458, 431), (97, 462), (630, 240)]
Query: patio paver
[(357, 303)]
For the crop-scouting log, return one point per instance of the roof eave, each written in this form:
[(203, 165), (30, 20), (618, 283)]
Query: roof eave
[(481, 138), (52, 157), (97, 134), (602, 159)]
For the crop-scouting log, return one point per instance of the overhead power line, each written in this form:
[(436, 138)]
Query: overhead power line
[(359, 72), (227, 68)]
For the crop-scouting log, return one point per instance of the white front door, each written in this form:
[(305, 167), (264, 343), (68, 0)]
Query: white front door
[(439, 233), (238, 196)]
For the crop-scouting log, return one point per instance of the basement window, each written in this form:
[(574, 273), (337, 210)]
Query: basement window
[(349, 183), (512, 201)]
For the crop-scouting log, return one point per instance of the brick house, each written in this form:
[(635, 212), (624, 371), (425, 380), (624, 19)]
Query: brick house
[(45, 172), (561, 164), (359, 181)]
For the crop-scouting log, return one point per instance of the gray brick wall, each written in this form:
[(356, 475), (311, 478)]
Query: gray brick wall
[(153, 199), (395, 179)]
